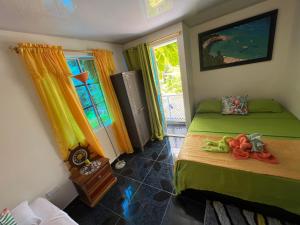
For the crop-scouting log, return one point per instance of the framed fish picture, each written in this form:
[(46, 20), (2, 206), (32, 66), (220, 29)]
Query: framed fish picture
[(247, 41)]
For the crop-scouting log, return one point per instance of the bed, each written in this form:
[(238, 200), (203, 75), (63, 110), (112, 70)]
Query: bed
[(251, 180), (42, 212)]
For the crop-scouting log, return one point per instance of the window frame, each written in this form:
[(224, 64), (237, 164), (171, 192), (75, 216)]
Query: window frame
[(91, 58)]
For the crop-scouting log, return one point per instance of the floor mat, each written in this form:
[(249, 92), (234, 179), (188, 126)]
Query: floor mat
[(217, 213)]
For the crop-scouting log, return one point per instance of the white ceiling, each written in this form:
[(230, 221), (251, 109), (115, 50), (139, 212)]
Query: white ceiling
[(115, 21)]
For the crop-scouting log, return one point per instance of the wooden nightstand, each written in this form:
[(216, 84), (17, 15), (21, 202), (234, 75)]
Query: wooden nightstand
[(92, 188)]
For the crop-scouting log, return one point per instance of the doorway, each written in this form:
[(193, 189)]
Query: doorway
[(168, 77)]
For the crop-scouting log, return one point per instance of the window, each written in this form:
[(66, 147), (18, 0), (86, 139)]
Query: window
[(78, 65)]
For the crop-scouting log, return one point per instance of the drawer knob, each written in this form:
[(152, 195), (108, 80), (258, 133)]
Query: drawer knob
[(99, 177)]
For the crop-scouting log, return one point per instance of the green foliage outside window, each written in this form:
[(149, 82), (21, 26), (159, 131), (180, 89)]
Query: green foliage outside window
[(167, 60)]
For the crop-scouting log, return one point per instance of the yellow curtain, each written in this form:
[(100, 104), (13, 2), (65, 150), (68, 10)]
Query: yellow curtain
[(106, 67), (51, 76)]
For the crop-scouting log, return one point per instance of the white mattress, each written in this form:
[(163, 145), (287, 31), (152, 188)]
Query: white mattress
[(49, 213)]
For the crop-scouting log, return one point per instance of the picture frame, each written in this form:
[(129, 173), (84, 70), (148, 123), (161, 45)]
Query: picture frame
[(246, 41)]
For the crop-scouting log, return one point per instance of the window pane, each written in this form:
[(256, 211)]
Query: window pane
[(102, 110), (89, 66), (91, 116), (83, 96), (97, 94), (74, 67), (76, 82)]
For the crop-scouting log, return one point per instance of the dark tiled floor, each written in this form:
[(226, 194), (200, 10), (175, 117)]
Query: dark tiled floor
[(184, 211), (143, 194), (160, 177), (137, 169)]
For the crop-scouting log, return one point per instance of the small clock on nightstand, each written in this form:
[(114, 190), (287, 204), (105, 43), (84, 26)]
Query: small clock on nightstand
[(91, 175)]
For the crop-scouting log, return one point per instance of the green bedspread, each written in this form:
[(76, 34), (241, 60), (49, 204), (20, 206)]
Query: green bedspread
[(277, 191), (269, 124)]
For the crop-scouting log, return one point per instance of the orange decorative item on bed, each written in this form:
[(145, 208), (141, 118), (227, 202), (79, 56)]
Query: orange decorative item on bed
[(242, 149)]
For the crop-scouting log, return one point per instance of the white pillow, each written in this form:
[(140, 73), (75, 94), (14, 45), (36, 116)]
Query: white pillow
[(24, 215), (59, 220), (44, 209), (50, 214)]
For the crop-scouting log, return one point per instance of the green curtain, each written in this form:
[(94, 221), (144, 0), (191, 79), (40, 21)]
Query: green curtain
[(132, 59), (138, 58)]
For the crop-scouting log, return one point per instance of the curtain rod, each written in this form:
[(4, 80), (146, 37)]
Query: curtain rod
[(169, 36), (16, 50)]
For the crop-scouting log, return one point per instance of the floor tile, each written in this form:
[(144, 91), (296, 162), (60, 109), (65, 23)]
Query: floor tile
[(120, 195), (152, 150), (137, 168), (123, 222), (147, 207), (161, 176), (126, 157), (184, 211), (85, 215), (130, 201), (171, 150), (167, 156)]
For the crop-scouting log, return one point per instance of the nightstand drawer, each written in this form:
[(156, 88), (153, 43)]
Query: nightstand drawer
[(98, 177), (92, 187), (101, 188)]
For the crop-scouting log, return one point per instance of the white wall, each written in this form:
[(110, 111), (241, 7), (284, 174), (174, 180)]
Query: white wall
[(29, 164), (262, 79), (291, 88), (186, 58), (184, 66)]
